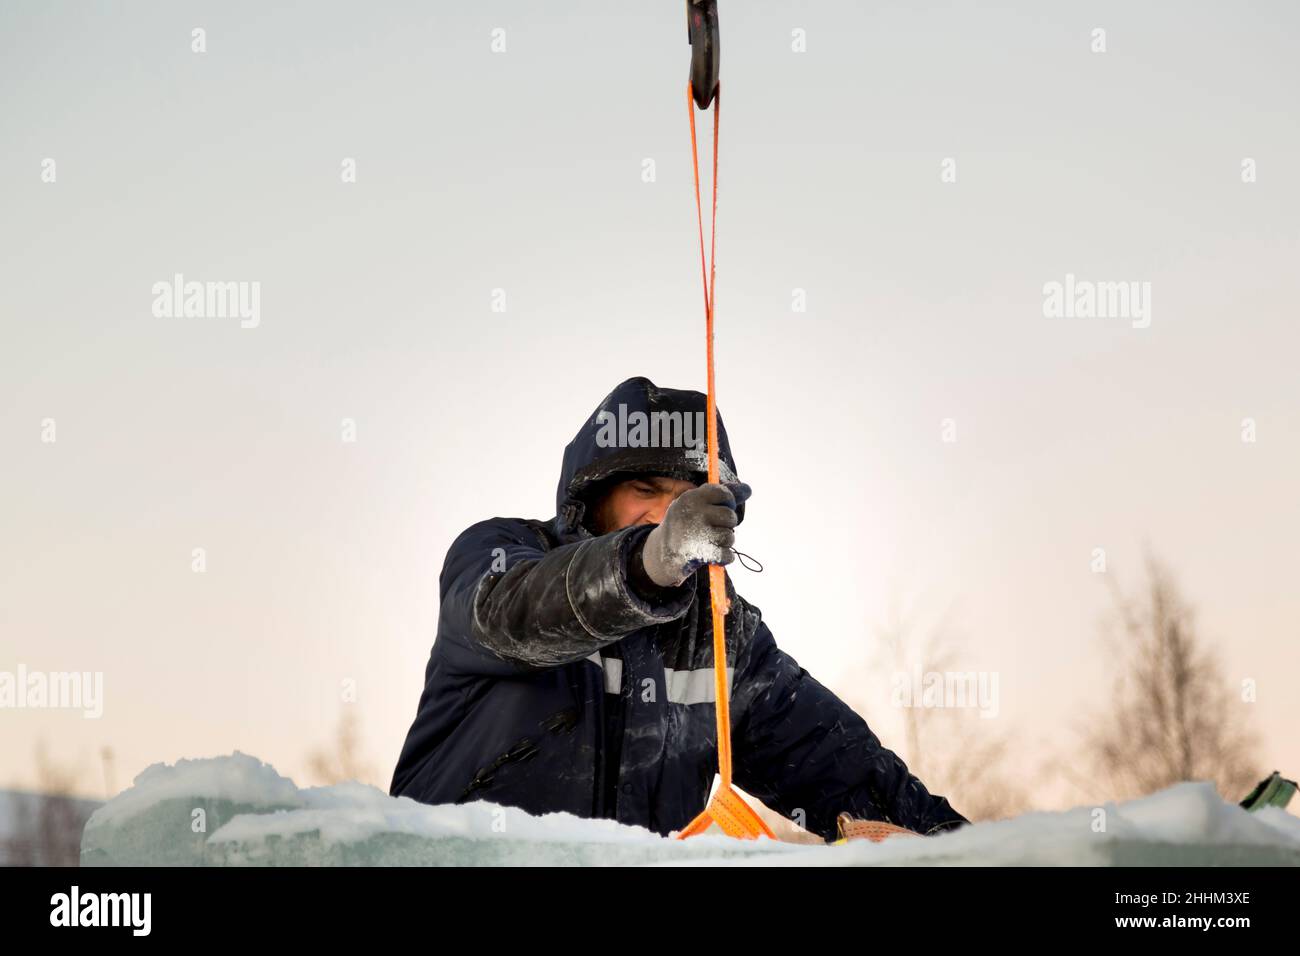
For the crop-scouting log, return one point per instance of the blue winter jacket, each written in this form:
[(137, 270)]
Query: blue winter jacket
[(540, 634)]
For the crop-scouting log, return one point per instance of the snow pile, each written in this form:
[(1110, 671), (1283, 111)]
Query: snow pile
[(166, 816), (238, 811)]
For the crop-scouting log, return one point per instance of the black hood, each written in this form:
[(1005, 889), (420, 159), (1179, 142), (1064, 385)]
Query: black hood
[(639, 428)]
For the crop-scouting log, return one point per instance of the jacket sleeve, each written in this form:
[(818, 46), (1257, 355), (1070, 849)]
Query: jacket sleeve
[(804, 752), (512, 605)]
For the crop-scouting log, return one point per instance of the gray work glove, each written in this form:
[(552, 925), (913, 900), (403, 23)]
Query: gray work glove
[(697, 529)]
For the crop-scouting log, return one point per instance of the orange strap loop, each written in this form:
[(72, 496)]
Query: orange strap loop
[(727, 808)]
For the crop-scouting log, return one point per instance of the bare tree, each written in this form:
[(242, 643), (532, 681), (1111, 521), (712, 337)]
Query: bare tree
[(46, 824), (1173, 715), (20, 847), (109, 760), (343, 762), (953, 751), (61, 819)]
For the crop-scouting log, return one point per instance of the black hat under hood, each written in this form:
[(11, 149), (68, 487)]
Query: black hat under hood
[(639, 428)]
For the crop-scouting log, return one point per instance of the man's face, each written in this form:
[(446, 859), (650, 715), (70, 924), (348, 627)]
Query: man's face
[(640, 500)]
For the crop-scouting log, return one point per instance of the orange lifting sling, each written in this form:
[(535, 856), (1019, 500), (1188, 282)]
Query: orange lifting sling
[(727, 808)]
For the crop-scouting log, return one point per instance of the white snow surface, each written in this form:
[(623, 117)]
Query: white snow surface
[(356, 824)]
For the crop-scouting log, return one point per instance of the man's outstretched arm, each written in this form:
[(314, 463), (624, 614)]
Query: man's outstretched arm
[(798, 747), (510, 605)]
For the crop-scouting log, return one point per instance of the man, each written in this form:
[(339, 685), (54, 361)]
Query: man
[(573, 666)]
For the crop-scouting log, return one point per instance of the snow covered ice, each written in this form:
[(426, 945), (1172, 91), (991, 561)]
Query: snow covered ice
[(238, 811)]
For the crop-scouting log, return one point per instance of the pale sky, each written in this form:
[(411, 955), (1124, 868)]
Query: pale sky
[(523, 171)]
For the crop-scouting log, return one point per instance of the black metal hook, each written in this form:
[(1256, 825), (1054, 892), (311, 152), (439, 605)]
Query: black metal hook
[(702, 32)]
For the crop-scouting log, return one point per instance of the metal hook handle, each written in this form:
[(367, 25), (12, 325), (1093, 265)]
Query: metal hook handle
[(702, 32)]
